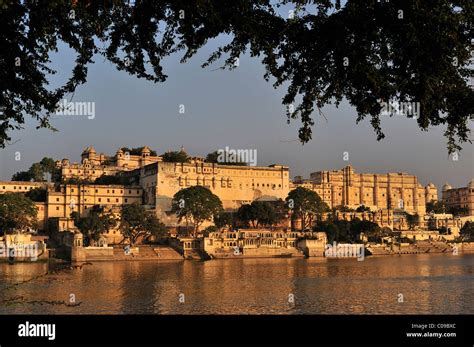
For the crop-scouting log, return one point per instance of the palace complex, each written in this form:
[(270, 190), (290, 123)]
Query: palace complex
[(388, 191), (150, 181)]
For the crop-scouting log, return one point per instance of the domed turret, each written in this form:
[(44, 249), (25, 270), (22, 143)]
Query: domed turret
[(446, 187), (146, 152), (471, 184), (88, 150), (88, 153)]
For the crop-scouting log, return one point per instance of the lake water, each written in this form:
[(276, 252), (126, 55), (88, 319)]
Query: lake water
[(410, 284)]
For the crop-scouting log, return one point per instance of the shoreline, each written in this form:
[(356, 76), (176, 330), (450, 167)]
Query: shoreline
[(253, 257)]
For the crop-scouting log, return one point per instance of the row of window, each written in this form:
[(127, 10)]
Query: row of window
[(233, 172), (461, 192), (100, 200), (227, 184), (456, 200), (19, 188), (108, 191)]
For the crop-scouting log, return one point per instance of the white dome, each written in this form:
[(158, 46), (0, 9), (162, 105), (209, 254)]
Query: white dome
[(447, 186)]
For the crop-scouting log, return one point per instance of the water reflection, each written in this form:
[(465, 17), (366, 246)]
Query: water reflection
[(439, 284)]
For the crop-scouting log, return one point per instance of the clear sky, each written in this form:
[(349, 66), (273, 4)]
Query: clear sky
[(228, 108)]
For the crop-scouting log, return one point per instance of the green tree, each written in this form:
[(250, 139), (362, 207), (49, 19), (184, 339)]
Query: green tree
[(374, 233), (328, 51), (348, 231), (436, 207), (371, 229), (176, 157), (443, 231), (467, 232), (330, 228), (110, 180), (224, 219), (262, 213), (17, 213), (266, 213), (457, 210), (37, 194), (156, 228), (343, 208), (305, 204), (76, 181), (37, 171), (246, 214), (23, 176), (412, 220), (195, 205), (442, 207), (136, 222), (96, 223), (48, 165), (362, 208)]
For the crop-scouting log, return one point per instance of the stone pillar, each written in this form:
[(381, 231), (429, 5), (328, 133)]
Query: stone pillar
[(403, 196), (376, 191)]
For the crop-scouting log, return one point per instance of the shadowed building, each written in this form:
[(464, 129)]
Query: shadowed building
[(460, 198)]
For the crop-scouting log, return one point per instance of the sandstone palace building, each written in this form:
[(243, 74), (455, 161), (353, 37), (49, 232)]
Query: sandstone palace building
[(149, 180), (346, 187)]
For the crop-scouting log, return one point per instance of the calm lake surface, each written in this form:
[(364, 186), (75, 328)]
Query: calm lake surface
[(438, 284)]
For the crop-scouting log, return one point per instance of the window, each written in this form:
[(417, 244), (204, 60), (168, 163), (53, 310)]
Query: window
[(126, 200), (129, 192), (57, 199), (108, 200), (96, 191), (116, 200), (57, 208), (100, 199)]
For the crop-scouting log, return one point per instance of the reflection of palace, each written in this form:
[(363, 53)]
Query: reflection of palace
[(153, 182)]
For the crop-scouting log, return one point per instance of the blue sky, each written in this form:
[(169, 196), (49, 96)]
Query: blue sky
[(228, 108)]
